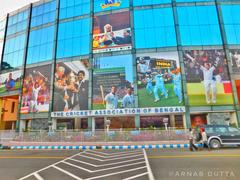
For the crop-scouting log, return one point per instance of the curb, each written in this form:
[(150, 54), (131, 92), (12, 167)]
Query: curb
[(149, 146)]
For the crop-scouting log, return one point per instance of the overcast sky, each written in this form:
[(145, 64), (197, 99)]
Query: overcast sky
[(7, 6)]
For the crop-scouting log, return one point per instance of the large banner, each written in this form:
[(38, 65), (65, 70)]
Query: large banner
[(159, 79), (207, 76), (36, 89), (71, 86), (105, 5), (235, 62), (113, 82), (112, 32), (10, 81)]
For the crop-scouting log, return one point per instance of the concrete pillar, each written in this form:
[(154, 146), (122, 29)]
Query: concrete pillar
[(172, 120), (77, 123), (22, 125), (137, 121), (93, 124), (54, 124), (90, 123)]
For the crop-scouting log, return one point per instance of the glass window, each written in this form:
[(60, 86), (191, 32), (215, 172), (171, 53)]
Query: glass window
[(231, 20), (40, 46), (17, 22), (150, 2), (43, 14), (74, 38), (73, 8), (154, 28), (14, 51), (104, 5), (2, 33), (199, 25), (193, 0)]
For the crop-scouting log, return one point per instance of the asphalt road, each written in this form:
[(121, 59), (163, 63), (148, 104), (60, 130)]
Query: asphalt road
[(139, 164)]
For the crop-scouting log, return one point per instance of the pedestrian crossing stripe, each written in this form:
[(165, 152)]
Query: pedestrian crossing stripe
[(149, 146)]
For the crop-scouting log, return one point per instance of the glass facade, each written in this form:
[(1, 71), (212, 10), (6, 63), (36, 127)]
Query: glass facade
[(154, 28), (2, 33), (43, 14), (138, 59), (231, 22), (74, 38), (40, 45), (17, 23)]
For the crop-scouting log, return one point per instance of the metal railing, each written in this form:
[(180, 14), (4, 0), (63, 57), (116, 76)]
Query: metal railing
[(94, 136)]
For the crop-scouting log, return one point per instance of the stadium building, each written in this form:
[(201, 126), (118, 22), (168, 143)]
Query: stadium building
[(82, 64)]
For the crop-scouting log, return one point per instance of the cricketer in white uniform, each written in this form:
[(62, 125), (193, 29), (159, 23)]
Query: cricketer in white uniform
[(33, 102), (111, 99), (209, 82), (159, 85), (128, 100)]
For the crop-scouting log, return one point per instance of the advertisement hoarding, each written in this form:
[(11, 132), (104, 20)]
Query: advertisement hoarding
[(71, 86), (112, 32), (207, 77), (10, 81), (113, 82), (159, 79)]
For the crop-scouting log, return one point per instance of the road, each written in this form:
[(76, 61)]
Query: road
[(169, 164)]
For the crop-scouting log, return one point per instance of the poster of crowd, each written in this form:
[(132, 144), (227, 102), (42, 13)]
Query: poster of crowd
[(113, 82), (235, 61), (159, 79), (10, 81), (36, 89), (71, 86), (207, 77), (112, 32)]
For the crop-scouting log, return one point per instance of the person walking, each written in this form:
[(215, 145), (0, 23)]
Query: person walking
[(192, 146), (205, 140)]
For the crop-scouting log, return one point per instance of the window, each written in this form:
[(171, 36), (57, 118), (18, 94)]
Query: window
[(73, 8), (234, 130), (2, 33), (231, 20), (40, 46), (199, 25), (99, 5), (43, 14), (150, 2), (14, 51), (74, 38), (18, 22), (193, 0), (221, 129), (154, 28)]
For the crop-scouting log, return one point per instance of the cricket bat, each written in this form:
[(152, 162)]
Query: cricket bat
[(102, 94)]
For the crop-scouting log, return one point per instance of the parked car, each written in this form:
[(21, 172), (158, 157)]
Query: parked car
[(220, 135)]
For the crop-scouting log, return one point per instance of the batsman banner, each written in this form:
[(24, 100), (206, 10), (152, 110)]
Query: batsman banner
[(10, 81), (36, 89), (159, 79), (113, 82), (207, 76)]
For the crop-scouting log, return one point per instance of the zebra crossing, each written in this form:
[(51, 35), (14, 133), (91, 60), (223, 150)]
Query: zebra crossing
[(96, 164)]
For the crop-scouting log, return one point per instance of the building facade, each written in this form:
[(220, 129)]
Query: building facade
[(77, 64)]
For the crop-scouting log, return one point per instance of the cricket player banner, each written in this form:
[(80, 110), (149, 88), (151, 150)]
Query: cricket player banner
[(120, 112), (112, 32), (207, 77), (71, 86), (10, 81), (36, 89), (235, 62), (159, 79), (113, 82)]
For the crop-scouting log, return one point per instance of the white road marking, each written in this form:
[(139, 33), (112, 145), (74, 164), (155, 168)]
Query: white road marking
[(150, 174), (118, 153), (99, 170), (32, 174), (102, 165), (37, 176), (134, 177), (66, 172), (120, 172), (109, 159)]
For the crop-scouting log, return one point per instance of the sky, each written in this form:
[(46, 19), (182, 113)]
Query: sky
[(7, 6)]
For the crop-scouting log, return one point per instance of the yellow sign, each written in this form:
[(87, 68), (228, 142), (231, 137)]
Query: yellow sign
[(163, 64), (116, 4)]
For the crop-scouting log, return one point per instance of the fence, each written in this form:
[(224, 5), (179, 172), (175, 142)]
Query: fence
[(94, 136)]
